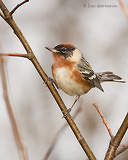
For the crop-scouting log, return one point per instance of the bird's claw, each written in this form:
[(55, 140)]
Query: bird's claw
[(66, 112), (49, 79)]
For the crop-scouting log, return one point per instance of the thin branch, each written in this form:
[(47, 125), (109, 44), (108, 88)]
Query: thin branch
[(115, 142), (19, 5), (104, 121), (10, 112), (14, 55), (54, 141), (121, 148), (123, 8), (44, 76)]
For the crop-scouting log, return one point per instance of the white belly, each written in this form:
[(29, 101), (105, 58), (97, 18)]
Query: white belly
[(63, 79)]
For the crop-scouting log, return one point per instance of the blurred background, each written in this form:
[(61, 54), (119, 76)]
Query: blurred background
[(101, 34)]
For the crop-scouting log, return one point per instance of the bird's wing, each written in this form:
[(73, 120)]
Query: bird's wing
[(85, 69), (88, 74)]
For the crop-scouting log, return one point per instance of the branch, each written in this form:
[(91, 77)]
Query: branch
[(44, 76), (104, 121), (121, 148), (58, 134), (19, 5), (114, 143), (10, 112), (124, 8), (1, 15), (14, 55)]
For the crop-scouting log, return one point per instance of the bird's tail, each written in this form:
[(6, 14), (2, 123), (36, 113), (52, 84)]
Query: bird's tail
[(109, 76)]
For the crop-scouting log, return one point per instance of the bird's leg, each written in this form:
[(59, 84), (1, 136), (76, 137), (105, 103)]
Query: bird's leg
[(69, 109), (76, 99)]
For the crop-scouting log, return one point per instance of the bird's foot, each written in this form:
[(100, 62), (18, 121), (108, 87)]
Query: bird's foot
[(52, 81), (49, 79), (66, 112)]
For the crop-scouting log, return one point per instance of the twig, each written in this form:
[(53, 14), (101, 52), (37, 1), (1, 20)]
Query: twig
[(10, 112), (44, 76), (54, 141), (123, 8), (20, 4), (104, 121), (114, 143), (14, 55), (121, 148)]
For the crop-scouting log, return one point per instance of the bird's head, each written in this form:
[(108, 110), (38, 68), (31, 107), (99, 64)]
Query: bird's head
[(67, 51)]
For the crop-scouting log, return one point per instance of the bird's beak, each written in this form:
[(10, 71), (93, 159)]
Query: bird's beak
[(51, 49)]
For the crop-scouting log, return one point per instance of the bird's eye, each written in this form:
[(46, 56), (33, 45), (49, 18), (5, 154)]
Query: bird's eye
[(63, 49)]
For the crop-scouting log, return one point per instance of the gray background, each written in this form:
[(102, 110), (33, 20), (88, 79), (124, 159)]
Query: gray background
[(101, 33)]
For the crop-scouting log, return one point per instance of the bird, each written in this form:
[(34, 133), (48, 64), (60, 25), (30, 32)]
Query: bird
[(74, 75)]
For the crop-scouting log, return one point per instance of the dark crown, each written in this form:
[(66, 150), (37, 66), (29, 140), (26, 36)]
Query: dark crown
[(65, 50)]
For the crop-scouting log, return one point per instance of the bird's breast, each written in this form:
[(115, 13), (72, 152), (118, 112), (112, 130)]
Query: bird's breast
[(70, 80)]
